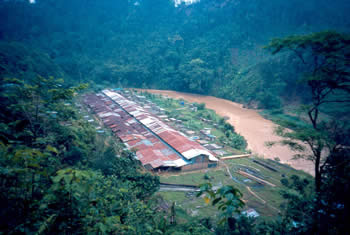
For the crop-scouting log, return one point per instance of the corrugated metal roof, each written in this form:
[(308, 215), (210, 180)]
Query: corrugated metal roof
[(172, 137), (150, 150), (134, 133)]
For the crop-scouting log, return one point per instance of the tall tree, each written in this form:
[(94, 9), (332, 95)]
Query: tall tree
[(327, 57)]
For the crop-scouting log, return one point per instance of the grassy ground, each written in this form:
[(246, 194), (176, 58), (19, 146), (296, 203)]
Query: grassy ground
[(266, 200), (284, 118)]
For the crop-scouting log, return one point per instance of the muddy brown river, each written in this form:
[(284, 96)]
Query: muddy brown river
[(250, 124)]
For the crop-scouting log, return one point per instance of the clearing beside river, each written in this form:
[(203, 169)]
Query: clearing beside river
[(250, 124)]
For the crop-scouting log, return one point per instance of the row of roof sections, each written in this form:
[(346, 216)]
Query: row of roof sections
[(150, 150), (179, 142)]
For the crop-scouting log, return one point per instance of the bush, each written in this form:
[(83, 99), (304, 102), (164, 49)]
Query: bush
[(201, 106)]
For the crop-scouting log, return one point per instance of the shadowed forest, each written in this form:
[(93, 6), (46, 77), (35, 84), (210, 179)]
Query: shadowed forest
[(212, 47)]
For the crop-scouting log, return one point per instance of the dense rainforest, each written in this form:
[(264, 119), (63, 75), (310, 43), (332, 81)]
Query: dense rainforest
[(212, 47), (59, 176)]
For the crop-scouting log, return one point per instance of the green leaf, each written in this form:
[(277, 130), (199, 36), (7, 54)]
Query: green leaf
[(67, 179), (216, 200), (51, 149), (102, 228)]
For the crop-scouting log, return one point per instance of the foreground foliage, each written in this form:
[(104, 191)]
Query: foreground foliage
[(325, 140), (52, 178)]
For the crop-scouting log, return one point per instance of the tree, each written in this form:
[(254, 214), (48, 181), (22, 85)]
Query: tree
[(197, 76), (31, 108), (41, 134), (327, 57), (24, 174), (84, 201), (228, 199)]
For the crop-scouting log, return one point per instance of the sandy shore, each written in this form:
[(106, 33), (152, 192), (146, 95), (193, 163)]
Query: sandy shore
[(247, 122)]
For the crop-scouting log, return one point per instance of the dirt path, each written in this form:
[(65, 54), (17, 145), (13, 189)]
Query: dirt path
[(247, 122)]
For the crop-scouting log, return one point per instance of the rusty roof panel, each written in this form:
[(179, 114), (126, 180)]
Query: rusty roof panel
[(150, 150)]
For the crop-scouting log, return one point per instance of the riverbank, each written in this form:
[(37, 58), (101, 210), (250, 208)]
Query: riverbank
[(250, 124)]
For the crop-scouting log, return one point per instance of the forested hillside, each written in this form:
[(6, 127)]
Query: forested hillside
[(212, 47)]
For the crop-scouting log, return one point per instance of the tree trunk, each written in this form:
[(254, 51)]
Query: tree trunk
[(318, 192), (318, 173)]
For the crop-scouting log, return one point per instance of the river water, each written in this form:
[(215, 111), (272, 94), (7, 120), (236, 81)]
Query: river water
[(250, 124)]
